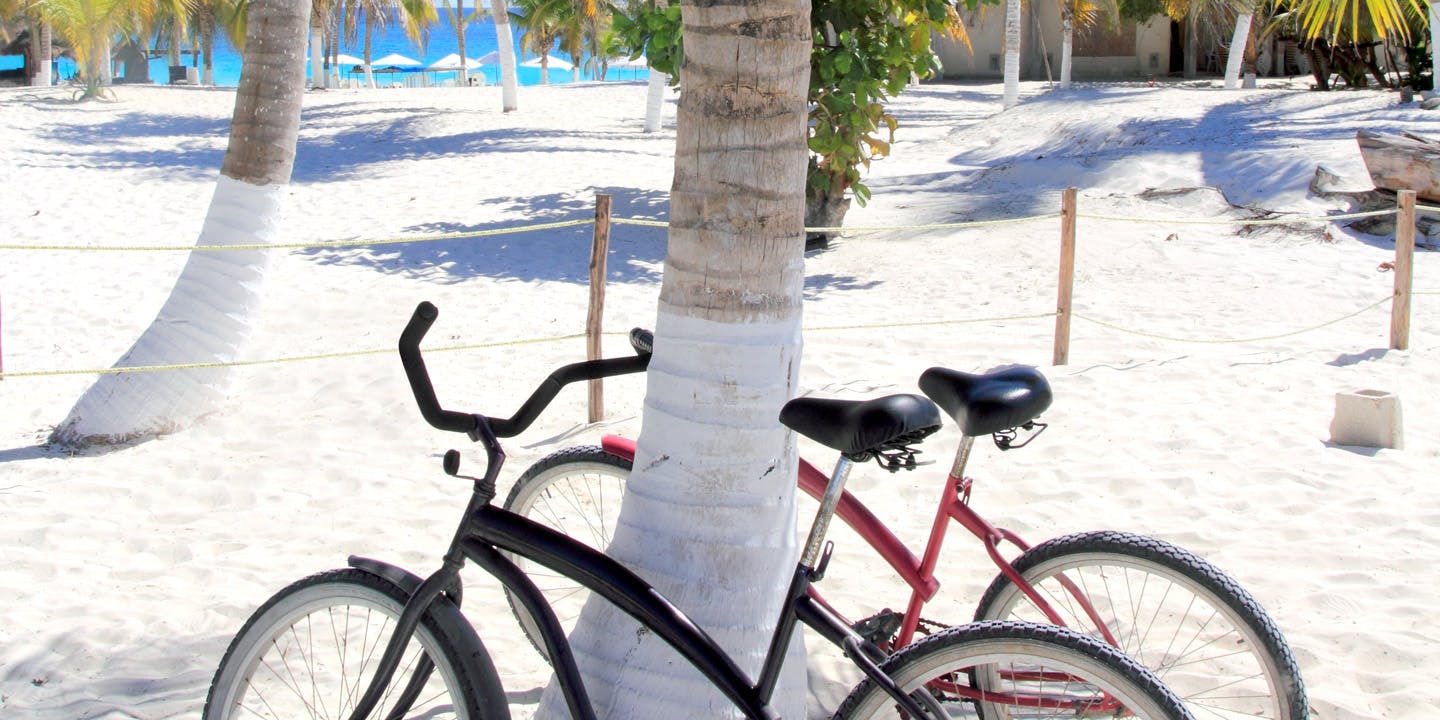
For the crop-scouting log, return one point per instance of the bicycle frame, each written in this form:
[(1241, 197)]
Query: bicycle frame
[(919, 573), (486, 530)]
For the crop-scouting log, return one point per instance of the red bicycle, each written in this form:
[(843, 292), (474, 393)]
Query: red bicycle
[(1197, 629)]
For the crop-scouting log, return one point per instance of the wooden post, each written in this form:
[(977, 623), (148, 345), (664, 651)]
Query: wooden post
[(1404, 270), (598, 251), (1067, 276)]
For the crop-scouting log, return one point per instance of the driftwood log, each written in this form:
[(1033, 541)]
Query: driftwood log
[(1402, 162)]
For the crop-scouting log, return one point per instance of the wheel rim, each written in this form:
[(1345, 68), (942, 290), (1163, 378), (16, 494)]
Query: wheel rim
[(1076, 686), (581, 500), (321, 660), (1167, 622)]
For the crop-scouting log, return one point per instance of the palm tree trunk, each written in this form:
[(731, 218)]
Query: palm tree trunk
[(1067, 41), (655, 99), (505, 43), (1012, 53), (369, 74), (42, 54), (105, 64), (210, 311), (177, 35), (1236, 57), (460, 41), (207, 49), (709, 513), (1435, 43), (655, 91), (1192, 43), (317, 51)]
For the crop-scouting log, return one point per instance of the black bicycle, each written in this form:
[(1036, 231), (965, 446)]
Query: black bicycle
[(376, 641)]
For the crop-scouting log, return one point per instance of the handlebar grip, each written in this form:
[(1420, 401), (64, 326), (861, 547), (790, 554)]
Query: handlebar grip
[(419, 377), (643, 341)]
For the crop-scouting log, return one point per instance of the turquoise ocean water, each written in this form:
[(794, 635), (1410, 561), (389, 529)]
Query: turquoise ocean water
[(479, 40)]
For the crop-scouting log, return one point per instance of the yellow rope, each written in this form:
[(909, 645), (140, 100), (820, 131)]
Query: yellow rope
[(302, 245), (853, 230), (924, 323), (1302, 331), (277, 361), (1270, 221), (561, 338)]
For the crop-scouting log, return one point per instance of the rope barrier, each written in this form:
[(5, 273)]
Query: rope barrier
[(848, 230), (1257, 221), (1234, 341), (289, 359), (562, 338), (297, 246), (661, 223)]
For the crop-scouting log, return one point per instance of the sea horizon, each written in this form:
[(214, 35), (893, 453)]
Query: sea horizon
[(441, 41)]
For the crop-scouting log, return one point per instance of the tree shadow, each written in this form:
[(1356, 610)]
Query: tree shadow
[(998, 180), (1348, 359), (560, 255), (41, 684)]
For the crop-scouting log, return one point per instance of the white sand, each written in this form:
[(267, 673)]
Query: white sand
[(124, 574)]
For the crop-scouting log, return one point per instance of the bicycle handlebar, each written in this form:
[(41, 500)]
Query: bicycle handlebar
[(420, 322), (415, 371)]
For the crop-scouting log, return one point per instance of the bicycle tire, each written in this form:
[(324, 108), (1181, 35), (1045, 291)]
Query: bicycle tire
[(1192, 625), (272, 670), (1080, 673), (576, 491)]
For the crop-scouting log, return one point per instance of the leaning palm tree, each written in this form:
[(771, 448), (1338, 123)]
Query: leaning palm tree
[(210, 311), (712, 493)]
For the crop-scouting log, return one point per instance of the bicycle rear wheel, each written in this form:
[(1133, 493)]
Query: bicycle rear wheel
[(1028, 670), (576, 491), (311, 650), (1197, 629)]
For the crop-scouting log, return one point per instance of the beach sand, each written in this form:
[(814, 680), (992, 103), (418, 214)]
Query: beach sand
[(1199, 412)]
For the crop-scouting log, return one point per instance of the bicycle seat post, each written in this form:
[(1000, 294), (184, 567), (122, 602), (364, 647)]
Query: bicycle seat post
[(828, 502), (962, 457)]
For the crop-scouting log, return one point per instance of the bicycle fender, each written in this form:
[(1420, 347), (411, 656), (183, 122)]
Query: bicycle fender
[(398, 576), (619, 446), (459, 631)]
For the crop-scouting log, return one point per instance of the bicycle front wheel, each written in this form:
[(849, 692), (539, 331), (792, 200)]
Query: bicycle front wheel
[(576, 491), (1197, 629), (1016, 670), (311, 650)]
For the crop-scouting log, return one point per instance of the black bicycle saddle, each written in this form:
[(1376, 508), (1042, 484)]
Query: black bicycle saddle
[(862, 427), (988, 402)]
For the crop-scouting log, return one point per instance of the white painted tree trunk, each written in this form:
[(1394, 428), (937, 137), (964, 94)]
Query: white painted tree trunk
[(43, 54), (1236, 59), (709, 511), (722, 551), (107, 62), (1192, 46), (1067, 43), (206, 319), (317, 57), (1435, 44), (505, 43), (655, 100), (1012, 53), (211, 309)]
